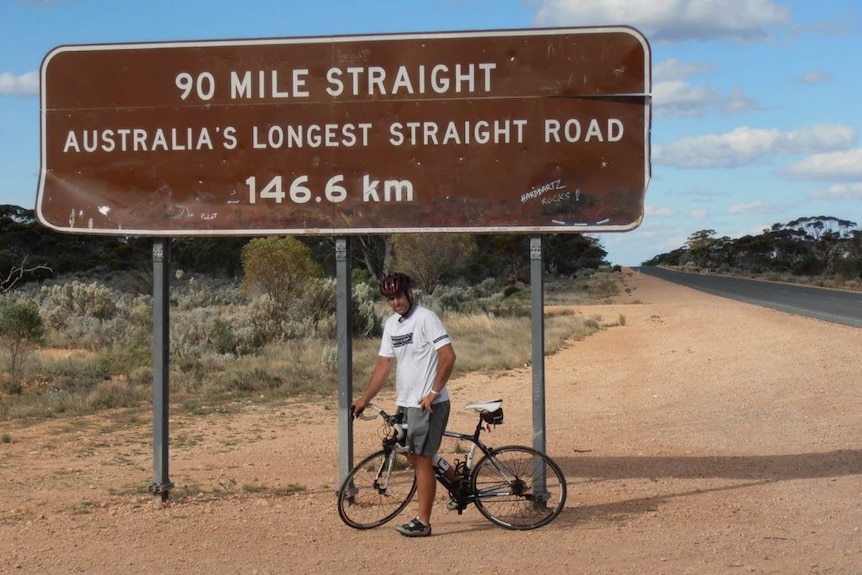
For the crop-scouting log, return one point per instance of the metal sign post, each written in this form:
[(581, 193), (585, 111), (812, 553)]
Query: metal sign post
[(344, 334), (161, 485), (537, 314), (537, 322)]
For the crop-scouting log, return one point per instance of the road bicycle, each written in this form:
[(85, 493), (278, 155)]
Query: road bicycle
[(515, 487)]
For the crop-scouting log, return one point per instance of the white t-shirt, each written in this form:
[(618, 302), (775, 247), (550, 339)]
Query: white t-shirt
[(413, 342)]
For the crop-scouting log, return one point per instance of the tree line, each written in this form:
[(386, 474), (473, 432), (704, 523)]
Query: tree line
[(31, 252), (808, 246)]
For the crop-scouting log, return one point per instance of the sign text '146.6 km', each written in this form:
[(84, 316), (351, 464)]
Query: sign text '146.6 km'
[(334, 190)]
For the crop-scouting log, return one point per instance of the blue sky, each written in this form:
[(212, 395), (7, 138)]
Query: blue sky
[(755, 102)]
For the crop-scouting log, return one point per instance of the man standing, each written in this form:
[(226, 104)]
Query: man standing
[(415, 339)]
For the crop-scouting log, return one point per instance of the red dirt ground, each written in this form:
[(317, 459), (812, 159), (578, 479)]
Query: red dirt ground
[(703, 436)]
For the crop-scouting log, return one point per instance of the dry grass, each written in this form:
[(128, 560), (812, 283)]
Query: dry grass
[(486, 343), (70, 383)]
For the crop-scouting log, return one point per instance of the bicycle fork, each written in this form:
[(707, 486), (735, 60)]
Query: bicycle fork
[(381, 478), (384, 474)]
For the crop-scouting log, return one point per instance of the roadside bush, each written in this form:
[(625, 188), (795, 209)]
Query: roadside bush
[(467, 299), (265, 322), (366, 322), (454, 299), (849, 268), (223, 339), (190, 292), (282, 268), (190, 335), (21, 330), (94, 335), (64, 302)]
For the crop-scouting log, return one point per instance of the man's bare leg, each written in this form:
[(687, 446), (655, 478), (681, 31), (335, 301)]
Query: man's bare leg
[(426, 485)]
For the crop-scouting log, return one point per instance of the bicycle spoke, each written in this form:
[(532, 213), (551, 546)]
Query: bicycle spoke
[(519, 488)]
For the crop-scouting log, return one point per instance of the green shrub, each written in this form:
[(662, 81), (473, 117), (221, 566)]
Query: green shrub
[(366, 322), (512, 291), (279, 267), (849, 267), (223, 338), (21, 330), (74, 299)]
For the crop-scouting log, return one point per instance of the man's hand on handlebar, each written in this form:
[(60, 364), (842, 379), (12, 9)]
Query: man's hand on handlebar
[(357, 408)]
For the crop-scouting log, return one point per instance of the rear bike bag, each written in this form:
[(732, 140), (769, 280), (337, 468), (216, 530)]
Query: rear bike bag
[(493, 417)]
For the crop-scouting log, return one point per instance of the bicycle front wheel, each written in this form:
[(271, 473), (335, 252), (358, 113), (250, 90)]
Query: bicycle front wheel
[(377, 489), (518, 488)]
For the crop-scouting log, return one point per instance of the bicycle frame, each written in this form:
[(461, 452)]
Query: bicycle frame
[(462, 496), (474, 441)]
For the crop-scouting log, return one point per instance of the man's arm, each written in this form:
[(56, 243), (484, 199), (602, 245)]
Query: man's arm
[(445, 363), (378, 379)]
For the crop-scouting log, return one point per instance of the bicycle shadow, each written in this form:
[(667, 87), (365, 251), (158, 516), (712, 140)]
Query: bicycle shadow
[(575, 514), (771, 467), (623, 509), (753, 470)]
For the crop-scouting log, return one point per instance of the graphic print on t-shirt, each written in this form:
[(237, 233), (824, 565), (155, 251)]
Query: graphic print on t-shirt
[(402, 340)]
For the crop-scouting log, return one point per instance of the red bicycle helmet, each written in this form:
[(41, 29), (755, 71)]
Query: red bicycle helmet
[(394, 284)]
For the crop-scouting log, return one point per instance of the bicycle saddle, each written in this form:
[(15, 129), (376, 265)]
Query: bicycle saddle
[(485, 406)]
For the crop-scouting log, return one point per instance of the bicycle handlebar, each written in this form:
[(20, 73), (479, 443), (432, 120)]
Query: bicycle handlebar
[(386, 417)]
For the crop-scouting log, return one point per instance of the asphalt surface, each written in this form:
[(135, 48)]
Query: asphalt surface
[(836, 306)]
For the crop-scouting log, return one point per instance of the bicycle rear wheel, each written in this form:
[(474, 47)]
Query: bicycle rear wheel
[(518, 488), (377, 489)]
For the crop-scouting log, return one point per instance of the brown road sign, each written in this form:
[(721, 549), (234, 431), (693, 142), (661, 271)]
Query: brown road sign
[(541, 130)]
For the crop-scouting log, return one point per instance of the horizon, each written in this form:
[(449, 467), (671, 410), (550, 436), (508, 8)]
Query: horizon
[(752, 114)]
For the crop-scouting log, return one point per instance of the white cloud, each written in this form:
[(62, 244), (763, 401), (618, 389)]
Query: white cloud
[(699, 214), (844, 166), (680, 99), (745, 145), (839, 192), (673, 69), (737, 103), (813, 77), (816, 138), (671, 20), (674, 96), (659, 212), (750, 208), (24, 85)]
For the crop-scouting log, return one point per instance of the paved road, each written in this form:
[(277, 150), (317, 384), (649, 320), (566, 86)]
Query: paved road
[(828, 305)]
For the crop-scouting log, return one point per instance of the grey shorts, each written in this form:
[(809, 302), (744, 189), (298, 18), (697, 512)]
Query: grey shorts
[(424, 429)]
